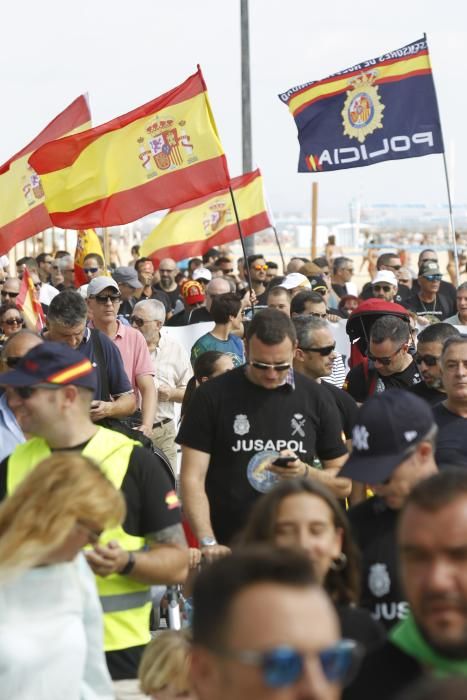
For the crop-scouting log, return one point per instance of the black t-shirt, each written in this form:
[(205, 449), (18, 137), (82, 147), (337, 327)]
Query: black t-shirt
[(361, 385), (446, 289), (200, 315), (402, 294), (374, 528), (451, 441), (357, 624), (146, 488), (173, 295), (440, 309), (432, 396), (346, 405), (340, 290), (233, 420)]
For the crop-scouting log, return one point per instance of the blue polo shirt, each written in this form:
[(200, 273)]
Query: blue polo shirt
[(117, 377)]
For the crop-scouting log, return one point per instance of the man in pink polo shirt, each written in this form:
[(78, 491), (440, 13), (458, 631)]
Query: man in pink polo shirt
[(103, 298)]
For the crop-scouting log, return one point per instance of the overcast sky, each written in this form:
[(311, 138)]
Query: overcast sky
[(125, 53)]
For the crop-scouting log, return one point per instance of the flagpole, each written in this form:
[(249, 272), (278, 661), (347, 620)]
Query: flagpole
[(280, 248), (242, 241), (451, 219)]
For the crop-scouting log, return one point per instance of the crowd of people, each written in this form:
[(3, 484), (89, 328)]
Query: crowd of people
[(304, 507)]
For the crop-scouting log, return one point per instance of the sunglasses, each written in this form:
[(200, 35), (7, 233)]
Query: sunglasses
[(12, 295), (135, 320), (14, 322), (382, 288), (324, 352), (90, 270), (429, 360), (433, 278), (384, 360), (25, 392), (283, 666), (108, 297), (260, 267), (263, 366)]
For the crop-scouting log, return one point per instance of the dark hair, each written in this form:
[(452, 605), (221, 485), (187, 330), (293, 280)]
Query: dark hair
[(439, 490), (272, 265), (224, 306), (390, 328), (429, 688), (277, 291), (342, 585), (321, 261), (68, 308), (135, 249), (384, 259), (204, 366), (299, 301), (437, 333), (96, 256), (223, 259), (140, 261), (422, 253), (31, 263), (218, 584), (340, 262), (194, 260), (253, 258), (61, 254), (42, 257), (211, 253), (271, 327), (7, 306)]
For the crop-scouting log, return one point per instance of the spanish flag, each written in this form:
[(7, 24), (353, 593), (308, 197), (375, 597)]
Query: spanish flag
[(23, 213), (87, 242), (193, 227), (155, 157), (28, 302)]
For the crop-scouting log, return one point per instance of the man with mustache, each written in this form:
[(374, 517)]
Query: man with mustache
[(432, 542)]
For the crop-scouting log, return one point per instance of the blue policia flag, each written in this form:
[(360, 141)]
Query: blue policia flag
[(381, 109)]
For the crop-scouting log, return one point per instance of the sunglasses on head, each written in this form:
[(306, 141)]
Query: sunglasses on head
[(433, 278), (260, 267), (14, 321), (265, 366), (12, 295), (90, 270), (429, 360), (25, 392), (382, 288), (327, 350), (283, 666), (106, 298), (137, 321)]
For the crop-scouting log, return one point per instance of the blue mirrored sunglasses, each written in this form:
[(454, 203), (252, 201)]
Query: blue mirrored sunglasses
[(283, 666)]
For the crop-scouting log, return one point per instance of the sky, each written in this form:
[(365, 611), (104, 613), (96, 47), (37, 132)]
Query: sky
[(124, 54)]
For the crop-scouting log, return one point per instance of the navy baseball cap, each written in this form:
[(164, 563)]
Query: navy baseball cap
[(388, 425), (52, 363)]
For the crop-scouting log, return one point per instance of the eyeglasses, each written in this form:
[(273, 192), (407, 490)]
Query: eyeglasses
[(263, 366), (25, 392), (93, 535), (428, 360), (260, 267), (90, 270), (283, 666), (135, 320), (13, 321), (12, 295), (326, 350), (12, 361), (108, 297), (382, 288), (384, 360), (433, 278), (315, 314)]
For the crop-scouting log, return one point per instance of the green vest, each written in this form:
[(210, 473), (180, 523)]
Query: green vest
[(126, 603)]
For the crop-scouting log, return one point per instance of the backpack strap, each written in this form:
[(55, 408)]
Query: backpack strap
[(99, 354)]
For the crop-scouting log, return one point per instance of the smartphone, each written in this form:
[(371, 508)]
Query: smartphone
[(284, 461)]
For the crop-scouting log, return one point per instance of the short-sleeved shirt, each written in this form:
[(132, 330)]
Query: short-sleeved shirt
[(358, 383), (116, 376), (346, 405), (172, 366), (233, 420), (427, 393), (233, 347)]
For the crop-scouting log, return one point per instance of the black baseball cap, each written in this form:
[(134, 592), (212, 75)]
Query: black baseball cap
[(388, 425)]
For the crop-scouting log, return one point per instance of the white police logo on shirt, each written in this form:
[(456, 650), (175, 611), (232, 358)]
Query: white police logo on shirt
[(241, 424), (379, 581)]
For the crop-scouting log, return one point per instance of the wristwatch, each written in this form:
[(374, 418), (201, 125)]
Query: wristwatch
[(208, 541), (129, 565)]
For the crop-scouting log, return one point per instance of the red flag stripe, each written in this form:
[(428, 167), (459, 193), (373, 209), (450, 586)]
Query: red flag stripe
[(23, 227)]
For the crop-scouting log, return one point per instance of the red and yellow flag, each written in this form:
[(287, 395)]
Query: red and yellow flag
[(155, 157), (28, 302), (193, 227), (87, 242), (23, 213)]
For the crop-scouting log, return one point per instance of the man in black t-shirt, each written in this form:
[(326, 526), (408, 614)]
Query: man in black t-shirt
[(390, 364), (392, 449), (392, 263), (429, 348), (51, 391), (426, 300), (238, 423)]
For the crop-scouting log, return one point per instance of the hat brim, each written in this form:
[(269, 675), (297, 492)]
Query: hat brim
[(371, 470), (16, 377)]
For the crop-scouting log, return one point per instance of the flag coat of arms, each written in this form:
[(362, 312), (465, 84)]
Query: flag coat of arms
[(22, 210), (28, 303), (381, 109), (155, 157), (193, 227)]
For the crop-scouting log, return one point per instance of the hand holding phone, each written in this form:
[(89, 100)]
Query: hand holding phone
[(284, 461)]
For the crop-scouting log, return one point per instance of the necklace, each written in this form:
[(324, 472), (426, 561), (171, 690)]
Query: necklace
[(428, 310)]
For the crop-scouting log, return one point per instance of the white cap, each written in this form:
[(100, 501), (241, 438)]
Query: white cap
[(385, 276), (202, 273), (294, 280)]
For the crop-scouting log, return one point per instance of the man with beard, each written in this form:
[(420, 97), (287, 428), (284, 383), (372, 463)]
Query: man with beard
[(429, 348), (432, 543), (168, 271)]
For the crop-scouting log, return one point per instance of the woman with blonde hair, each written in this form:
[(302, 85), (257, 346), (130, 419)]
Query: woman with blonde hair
[(164, 669), (51, 640)]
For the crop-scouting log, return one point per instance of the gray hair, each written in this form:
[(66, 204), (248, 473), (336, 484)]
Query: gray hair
[(156, 309), (306, 325), (453, 340), (461, 287)]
